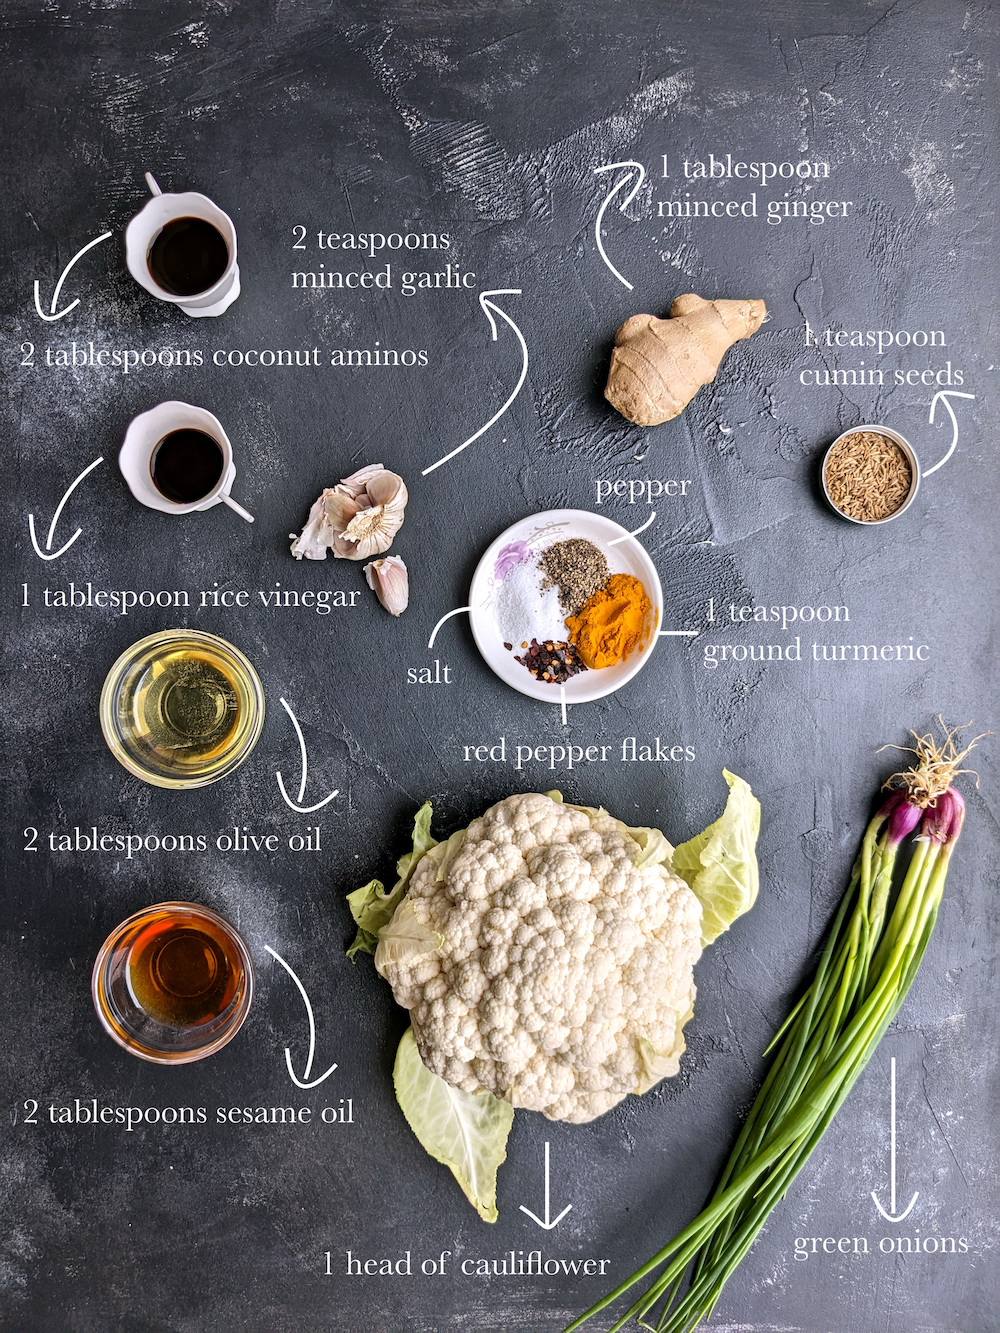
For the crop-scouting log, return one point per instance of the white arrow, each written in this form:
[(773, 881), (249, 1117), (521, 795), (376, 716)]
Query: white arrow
[(890, 1216), (304, 1081), (943, 395), (457, 612), (547, 1224), (297, 805), (48, 553), (632, 168), (618, 540), (53, 314), (489, 309)]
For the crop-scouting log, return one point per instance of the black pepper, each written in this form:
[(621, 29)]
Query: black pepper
[(577, 569)]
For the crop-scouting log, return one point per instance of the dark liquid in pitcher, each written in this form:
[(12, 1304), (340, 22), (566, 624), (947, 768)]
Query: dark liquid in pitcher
[(186, 465), (183, 973), (188, 256)]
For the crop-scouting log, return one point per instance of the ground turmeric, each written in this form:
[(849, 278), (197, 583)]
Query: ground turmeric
[(611, 621)]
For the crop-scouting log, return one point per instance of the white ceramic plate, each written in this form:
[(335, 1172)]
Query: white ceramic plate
[(540, 531)]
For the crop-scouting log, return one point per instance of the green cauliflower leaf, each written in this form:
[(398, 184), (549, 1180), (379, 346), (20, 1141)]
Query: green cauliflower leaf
[(720, 864), (465, 1131), (373, 908)]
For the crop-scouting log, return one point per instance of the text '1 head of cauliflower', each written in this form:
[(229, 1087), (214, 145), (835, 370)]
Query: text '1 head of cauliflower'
[(546, 955)]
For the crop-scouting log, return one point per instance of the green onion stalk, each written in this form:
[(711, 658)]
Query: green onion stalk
[(869, 959)]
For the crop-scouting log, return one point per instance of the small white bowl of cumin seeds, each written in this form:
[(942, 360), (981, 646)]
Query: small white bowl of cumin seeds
[(870, 475)]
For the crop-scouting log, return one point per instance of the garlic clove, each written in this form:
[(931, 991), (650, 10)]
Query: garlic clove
[(355, 484), (344, 549), (389, 580), (387, 489), (340, 509), (317, 534)]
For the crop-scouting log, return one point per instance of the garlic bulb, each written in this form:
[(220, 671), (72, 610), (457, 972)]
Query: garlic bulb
[(356, 519), (389, 580)]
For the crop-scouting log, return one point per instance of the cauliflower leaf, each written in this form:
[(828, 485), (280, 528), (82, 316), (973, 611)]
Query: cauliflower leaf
[(373, 908), (660, 1064), (405, 937), (655, 850), (720, 864), (449, 850), (465, 1131)]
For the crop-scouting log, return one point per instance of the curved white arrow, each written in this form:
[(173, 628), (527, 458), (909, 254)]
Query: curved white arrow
[(297, 805), (943, 395), (304, 1081), (53, 314), (549, 1222), (632, 168), (48, 553), (459, 610), (891, 1215), (618, 540), (489, 309)]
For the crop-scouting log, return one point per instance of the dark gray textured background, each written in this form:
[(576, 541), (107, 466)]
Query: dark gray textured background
[(486, 121)]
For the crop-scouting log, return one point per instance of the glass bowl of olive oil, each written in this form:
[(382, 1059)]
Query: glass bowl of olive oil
[(182, 708), (173, 983)]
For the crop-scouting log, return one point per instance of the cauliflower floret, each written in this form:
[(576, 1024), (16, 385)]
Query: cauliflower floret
[(565, 974)]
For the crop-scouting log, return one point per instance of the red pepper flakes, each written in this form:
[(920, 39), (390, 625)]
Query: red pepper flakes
[(552, 662)]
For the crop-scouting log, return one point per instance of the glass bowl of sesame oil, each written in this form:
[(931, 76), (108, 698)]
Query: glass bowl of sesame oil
[(173, 983), (182, 708)]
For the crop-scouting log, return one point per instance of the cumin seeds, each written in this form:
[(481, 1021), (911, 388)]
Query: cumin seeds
[(867, 476)]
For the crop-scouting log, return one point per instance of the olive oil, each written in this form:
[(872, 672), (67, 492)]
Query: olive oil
[(181, 972), (186, 710), (182, 708)]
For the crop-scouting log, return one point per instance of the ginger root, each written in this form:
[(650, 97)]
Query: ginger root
[(658, 365)]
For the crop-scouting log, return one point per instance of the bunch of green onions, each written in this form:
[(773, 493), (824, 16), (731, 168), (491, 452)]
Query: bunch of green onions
[(869, 960)]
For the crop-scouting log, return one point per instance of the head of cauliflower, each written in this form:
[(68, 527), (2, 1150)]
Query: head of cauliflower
[(546, 955)]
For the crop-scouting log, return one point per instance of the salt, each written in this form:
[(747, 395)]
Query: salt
[(524, 612)]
